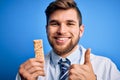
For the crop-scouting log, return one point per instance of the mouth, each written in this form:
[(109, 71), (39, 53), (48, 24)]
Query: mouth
[(62, 40)]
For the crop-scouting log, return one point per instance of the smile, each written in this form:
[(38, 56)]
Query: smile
[(61, 40)]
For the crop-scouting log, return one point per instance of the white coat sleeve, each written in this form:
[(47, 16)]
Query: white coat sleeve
[(18, 77)]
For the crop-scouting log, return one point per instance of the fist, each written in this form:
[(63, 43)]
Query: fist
[(31, 69)]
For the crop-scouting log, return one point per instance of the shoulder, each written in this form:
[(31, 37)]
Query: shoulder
[(104, 65), (98, 60), (101, 59)]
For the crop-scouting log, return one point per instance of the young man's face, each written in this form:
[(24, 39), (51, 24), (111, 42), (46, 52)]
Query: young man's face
[(63, 31)]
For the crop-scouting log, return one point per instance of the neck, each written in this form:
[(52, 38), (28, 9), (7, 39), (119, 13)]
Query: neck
[(64, 55)]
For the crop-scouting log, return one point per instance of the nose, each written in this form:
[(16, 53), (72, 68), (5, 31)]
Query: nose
[(62, 29)]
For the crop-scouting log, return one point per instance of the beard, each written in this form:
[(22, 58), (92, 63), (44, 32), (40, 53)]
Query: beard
[(61, 50)]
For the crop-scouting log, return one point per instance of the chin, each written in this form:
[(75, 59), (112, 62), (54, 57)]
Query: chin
[(62, 49)]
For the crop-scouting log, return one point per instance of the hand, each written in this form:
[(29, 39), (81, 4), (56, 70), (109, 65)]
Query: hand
[(31, 69), (82, 72)]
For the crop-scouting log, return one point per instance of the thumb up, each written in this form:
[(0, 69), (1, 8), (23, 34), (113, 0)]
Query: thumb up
[(82, 72)]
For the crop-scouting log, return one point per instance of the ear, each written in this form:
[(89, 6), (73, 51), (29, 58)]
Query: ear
[(81, 30)]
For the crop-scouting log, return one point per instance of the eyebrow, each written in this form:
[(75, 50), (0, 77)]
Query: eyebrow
[(66, 21), (71, 21), (53, 21)]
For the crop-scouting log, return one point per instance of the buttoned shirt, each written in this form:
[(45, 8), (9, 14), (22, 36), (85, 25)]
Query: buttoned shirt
[(103, 67)]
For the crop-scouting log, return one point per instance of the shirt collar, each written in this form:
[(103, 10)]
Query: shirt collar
[(74, 57), (55, 58)]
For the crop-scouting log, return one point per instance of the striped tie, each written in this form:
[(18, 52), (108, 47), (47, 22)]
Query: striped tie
[(64, 66)]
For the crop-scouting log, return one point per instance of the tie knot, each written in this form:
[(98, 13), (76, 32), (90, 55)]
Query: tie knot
[(64, 61)]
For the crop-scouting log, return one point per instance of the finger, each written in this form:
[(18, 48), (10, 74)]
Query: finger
[(77, 70), (38, 73), (32, 63), (24, 74), (76, 77), (32, 73), (87, 56), (71, 77), (34, 69)]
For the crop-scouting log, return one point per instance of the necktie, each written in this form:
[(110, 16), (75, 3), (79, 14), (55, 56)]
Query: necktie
[(64, 67)]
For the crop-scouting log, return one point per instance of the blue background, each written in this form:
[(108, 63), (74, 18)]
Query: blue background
[(22, 21)]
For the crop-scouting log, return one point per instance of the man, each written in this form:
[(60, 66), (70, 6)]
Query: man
[(67, 60)]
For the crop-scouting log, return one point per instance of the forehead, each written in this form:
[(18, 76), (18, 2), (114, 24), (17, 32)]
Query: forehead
[(63, 15)]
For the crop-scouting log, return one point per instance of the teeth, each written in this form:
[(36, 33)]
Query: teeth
[(61, 38)]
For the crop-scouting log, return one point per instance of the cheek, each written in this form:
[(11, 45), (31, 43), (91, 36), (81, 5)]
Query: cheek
[(50, 31), (75, 32)]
